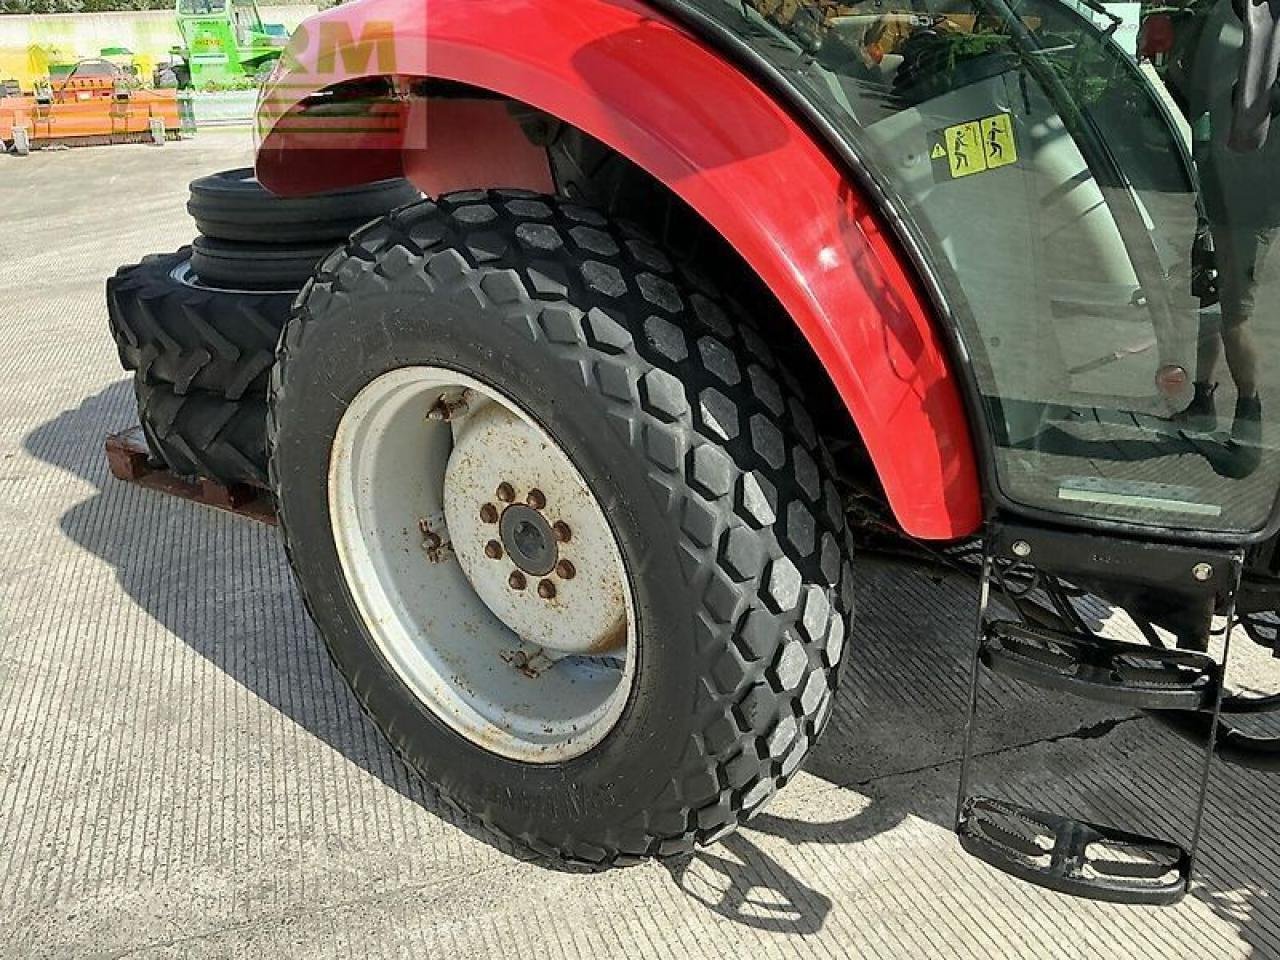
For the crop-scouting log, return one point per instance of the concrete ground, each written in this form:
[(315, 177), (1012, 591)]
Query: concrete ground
[(182, 773)]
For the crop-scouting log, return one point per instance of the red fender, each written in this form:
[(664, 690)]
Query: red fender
[(680, 111)]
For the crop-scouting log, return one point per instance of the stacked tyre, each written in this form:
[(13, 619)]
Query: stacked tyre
[(198, 327)]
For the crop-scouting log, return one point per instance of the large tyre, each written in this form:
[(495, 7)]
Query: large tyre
[(201, 435), (232, 205), (255, 266), (610, 369), (173, 329)]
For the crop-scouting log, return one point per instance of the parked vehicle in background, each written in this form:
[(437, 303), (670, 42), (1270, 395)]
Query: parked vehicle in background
[(223, 41)]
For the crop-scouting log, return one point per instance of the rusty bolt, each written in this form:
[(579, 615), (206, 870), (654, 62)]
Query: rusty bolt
[(505, 492), (562, 531), (489, 513), (565, 570), (446, 407), (516, 581), (493, 550), (546, 589), (536, 499)]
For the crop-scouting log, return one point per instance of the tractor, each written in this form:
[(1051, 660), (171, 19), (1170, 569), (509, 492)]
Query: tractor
[(572, 454), (223, 41)]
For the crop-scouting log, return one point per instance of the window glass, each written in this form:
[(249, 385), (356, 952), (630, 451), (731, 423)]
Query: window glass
[(1101, 212), (200, 8)]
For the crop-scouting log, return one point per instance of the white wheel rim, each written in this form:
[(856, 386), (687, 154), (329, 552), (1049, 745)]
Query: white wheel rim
[(537, 672)]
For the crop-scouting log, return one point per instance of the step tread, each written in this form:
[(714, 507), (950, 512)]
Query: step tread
[(1073, 856), (1110, 671)]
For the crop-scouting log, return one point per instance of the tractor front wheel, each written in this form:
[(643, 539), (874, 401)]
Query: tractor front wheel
[(563, 522)]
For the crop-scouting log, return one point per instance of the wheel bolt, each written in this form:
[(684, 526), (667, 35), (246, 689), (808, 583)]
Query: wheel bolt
[(489, 513), (562, 531), (536, 499), (546, 589), (505, 492), (516, 581), (565, 570), (493, 550)]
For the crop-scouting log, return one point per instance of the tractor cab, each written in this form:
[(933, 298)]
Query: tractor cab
[(1077, 190)]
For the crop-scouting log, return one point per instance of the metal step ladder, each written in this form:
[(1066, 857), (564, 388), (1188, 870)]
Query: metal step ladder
[(1054, 850)]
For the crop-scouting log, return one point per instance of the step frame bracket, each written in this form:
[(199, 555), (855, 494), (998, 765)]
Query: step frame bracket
[(1207, 575)]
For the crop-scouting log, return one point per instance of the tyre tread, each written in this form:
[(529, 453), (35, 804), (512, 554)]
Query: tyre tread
[(200, 435), (758, 712), (196, 339)]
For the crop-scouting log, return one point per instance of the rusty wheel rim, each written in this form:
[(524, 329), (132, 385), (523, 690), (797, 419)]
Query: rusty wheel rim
[(483, 569)]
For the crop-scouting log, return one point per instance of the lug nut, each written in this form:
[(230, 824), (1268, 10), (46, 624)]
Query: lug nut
[(562, 531), (493, 550), (536, 499), (516, 581), (505, 492), (565, 570), (489, 513), (546, 589)]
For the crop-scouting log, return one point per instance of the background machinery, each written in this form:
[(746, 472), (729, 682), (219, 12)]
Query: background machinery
[(96, 102)]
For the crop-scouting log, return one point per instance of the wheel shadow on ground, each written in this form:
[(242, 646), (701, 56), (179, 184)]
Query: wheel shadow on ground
[(895, 739), (222, 586)]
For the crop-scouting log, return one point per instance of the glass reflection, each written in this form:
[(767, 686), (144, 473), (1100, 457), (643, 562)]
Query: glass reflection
[(1095, 185)]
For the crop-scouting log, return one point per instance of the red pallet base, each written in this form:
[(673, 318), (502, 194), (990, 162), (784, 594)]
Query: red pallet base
[(129, 458)]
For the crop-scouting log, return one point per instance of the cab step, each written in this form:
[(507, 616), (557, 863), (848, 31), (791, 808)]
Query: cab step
[(1073, 856), (1128, 674), (1056, 850)]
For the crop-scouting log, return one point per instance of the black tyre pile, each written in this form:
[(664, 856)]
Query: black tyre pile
[(198, 327)]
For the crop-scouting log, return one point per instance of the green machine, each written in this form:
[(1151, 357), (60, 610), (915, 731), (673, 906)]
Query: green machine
[(224, 40)]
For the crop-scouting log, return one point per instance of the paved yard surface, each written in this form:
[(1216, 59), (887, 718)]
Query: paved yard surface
[(182, 774)]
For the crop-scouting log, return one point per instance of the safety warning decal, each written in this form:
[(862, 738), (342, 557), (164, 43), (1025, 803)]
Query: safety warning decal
[(973, 147)]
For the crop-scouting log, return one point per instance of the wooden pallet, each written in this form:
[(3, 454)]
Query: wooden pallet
[(129, 458)]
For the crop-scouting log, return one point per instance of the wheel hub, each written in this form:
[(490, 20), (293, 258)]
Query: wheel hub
[(545, 566), (528, 539)]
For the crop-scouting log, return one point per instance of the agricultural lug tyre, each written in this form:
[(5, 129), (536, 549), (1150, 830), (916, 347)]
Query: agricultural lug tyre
[(233, 205), (477, 390), (172, 329), (201, 435), (255, 266)]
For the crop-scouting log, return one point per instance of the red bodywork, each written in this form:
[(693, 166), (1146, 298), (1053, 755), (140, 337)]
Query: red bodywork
[(648, 89)]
